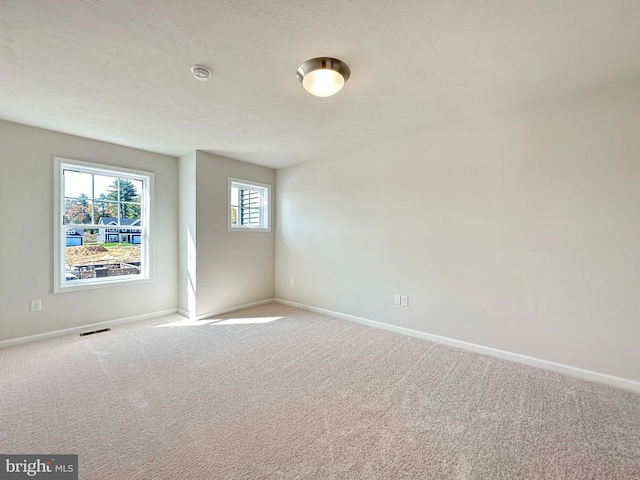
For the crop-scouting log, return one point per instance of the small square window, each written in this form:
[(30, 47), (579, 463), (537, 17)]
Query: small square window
[(248, 205)]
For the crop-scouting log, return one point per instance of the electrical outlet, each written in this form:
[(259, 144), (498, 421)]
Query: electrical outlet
[(291, 282), (404, 300), (396, 299), (36, 305)]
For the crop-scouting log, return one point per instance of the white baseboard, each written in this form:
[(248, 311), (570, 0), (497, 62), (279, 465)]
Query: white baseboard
[(494, 352), (85, 328), (202, 316)]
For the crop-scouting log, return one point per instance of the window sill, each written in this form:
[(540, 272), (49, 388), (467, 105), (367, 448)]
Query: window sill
[(79, 286), (249, 229)]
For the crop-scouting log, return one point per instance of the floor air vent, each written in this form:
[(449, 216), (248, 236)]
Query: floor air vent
[(95, 331)]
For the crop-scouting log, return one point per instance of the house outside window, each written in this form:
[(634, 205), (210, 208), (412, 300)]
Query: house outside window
[(248, 206), (103, 231), (74, 237)]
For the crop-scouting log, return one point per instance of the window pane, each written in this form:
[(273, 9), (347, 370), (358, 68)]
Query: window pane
[(107, 186), (121, 236), (128, 190), (137, 184), (99, 253), (77, 210), (77, 184), (249, 207), (101, 204), (234, 196), (129, 211), (234, 215), (118, 213), (106, 212)]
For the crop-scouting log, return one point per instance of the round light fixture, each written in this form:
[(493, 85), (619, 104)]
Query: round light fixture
[(323, 76), (201, 72)]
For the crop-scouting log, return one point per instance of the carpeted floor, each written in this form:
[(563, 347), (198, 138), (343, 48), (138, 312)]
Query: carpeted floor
[(305, 396)]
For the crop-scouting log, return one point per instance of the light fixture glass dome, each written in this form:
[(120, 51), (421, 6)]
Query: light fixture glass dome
[(323, 83), (323, 76)]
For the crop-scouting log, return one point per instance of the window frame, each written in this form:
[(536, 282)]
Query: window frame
[(59, 228), (265, 207)]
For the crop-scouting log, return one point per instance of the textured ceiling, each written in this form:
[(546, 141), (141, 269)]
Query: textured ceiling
[(119, 71)]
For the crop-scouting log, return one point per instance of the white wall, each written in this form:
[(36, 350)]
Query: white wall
[(187, 235), (26, 234), (233, 268), (520, 232)]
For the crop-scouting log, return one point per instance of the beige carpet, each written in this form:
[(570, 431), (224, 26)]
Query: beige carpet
[(305, 396)]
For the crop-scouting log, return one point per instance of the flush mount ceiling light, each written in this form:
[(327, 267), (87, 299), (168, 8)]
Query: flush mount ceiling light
[(201, 72), (323, 76)]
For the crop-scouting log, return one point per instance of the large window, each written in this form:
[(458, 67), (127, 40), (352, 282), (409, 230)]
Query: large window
[(248, 205), (103, 230)]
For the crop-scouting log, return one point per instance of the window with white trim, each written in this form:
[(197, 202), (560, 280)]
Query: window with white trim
[(248, 205), (102, 225)]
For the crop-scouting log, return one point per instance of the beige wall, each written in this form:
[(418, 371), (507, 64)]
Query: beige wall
[(519, 232), (26, 234), (233, 268)]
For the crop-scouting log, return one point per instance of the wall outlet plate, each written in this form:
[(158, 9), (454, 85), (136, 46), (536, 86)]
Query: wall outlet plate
[(36, 305)]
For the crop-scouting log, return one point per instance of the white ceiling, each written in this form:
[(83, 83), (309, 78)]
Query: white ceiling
[(119, 71)]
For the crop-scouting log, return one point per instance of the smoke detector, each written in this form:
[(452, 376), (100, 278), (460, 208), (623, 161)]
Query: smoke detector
[(201, 72)]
